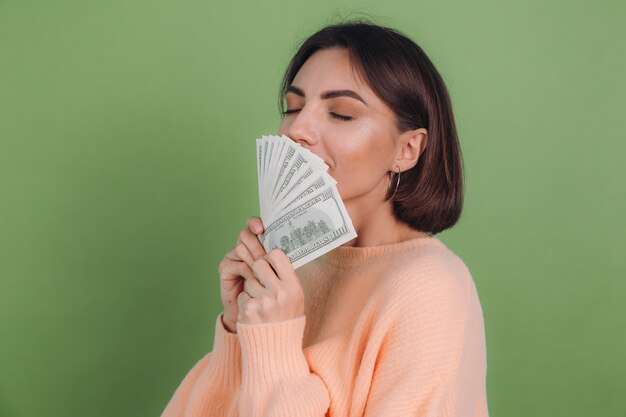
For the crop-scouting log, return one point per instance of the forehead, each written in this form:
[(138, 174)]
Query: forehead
[(330, 69)]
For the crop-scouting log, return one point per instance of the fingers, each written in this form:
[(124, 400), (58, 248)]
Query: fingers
[(241, 253), (253, 287), (264, 273), (281, 264), (248, 248), (255, 225), (237, 268), (251, 242)]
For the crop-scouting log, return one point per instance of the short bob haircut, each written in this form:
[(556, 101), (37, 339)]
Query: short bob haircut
[(429, 197)]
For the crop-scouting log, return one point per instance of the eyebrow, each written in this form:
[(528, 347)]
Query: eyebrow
[(329, 94)]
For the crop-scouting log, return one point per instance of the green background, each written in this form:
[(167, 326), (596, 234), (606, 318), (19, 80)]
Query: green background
[(127, 168)]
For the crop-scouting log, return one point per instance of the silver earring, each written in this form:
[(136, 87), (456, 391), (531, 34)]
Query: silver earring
[(397, 182)]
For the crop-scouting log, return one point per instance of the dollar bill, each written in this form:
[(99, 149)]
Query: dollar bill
[(300, 206), (309, 228)]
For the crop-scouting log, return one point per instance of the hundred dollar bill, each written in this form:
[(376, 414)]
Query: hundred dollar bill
[(315, 182), (313, 225), (285, 162)]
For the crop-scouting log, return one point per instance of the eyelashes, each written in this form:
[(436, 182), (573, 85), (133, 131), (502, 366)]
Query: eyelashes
[(335, 115)]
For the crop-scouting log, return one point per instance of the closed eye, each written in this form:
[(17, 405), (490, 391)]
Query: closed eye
[(335, 115), (340, 117)]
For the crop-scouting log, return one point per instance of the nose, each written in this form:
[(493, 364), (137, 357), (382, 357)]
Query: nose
[(302, 129)]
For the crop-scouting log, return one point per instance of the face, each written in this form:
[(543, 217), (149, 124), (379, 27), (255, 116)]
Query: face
[(338, 117)]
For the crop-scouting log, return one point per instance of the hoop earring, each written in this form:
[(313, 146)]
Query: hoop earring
[(397, 182)]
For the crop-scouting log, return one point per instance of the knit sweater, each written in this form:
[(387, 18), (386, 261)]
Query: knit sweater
[(389, 330)]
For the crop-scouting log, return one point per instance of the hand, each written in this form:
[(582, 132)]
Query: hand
[(273, 293), (236, 266)]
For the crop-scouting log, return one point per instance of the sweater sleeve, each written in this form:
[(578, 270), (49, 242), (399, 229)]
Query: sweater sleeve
[(210, 387), (276, 378), (432, 360)]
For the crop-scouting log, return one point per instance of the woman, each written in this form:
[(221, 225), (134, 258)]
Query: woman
[(388, 324)]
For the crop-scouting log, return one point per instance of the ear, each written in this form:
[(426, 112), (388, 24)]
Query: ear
[(411, 145)]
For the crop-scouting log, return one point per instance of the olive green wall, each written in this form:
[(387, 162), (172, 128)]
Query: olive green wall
[(127, 168)]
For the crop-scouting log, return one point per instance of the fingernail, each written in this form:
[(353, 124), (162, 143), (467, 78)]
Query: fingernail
[(257, 228)]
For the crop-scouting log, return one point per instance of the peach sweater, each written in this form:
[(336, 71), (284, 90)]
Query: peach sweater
[(390, 330)]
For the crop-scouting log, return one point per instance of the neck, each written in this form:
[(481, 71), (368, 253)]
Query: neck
[(376, 225)]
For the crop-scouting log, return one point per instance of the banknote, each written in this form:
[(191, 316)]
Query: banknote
[(310, 228), (300, 205)]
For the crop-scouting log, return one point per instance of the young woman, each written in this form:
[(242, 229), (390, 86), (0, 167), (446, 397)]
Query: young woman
[(390, 323)]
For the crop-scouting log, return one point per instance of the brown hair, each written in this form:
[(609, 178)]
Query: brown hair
[(430, 195)]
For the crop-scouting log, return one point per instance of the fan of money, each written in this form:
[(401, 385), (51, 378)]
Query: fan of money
[(301, 209)]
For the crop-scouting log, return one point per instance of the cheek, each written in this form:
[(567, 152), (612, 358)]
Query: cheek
[(364, 150), (360, 163)]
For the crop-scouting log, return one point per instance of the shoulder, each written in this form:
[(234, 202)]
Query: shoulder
[(427, 265), (427, 274), (427, 305)]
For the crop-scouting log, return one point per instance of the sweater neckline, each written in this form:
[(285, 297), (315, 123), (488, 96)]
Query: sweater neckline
[(347, 256)]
